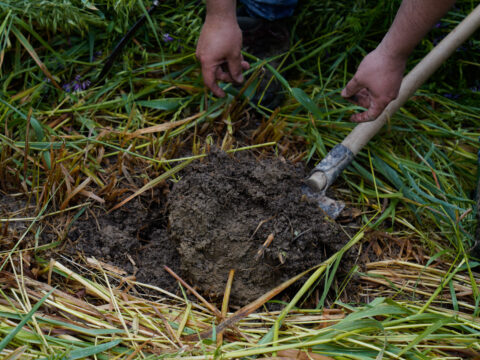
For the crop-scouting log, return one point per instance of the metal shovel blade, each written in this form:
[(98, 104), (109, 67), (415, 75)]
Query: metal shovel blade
[(333, 208), (323, 175)]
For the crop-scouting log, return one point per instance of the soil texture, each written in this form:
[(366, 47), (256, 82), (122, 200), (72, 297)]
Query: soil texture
[(133, 238), (13, 211), (234, 212)]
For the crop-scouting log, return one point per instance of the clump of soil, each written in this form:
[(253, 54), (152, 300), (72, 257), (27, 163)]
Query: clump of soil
[(222, 212)]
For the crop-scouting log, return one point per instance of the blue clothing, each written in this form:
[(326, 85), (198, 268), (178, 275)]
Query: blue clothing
[(270, 9)]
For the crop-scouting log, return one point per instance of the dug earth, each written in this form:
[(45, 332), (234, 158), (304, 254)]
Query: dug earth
[(235, 212), (226, 212)]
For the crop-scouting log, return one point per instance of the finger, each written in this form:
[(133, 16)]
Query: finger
[(235, 68), (245, 65), (372, 113), (353, 99), (363, 98), (209, 80), (353, 86), (221, 75)]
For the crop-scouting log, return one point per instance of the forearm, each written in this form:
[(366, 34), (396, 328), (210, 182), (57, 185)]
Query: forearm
[(221, 10), (412, 22)]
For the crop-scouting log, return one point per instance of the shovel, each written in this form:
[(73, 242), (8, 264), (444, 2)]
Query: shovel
[(341, 155)]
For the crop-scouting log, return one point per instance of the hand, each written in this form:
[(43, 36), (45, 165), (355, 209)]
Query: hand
[(376, 83), (219, 52)]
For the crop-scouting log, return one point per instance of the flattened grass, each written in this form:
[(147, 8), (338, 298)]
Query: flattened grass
[(110, 322)]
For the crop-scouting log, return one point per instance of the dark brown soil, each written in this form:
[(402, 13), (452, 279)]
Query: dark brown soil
[(133, 238), (12, 209), (224, 209)]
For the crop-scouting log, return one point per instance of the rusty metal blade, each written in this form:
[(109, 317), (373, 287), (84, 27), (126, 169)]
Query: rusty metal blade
[(333, 208)]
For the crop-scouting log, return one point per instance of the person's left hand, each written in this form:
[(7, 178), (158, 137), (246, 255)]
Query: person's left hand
[(376, 83)]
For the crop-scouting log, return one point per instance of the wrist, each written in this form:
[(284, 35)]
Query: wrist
[(394, 54), (221, 11), (217, 20)]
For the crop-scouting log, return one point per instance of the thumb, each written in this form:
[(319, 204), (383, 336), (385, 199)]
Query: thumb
[(352, 88)]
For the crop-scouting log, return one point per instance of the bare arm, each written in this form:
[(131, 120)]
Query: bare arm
[(219, 46), (412, 22), (380, 74)]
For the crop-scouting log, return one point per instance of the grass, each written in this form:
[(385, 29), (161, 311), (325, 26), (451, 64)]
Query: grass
[(414, 183)]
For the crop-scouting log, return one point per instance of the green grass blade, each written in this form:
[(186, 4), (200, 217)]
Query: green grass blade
[(92, 350), (25, 319)]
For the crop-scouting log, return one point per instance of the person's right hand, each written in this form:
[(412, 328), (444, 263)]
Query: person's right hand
[(219, 52)]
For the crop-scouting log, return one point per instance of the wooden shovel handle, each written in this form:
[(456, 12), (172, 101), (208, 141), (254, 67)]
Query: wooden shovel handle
[(363, 132)]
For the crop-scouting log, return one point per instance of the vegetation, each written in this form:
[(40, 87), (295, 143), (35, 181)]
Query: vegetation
[(413, 184)]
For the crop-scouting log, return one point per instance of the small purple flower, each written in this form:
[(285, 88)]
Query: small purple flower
[(451, 96), (77, 85), (96, 55), (86, 84), (167, 38), (475, 88)]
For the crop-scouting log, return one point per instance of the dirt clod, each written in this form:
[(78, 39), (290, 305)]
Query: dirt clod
[(234, 212)]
